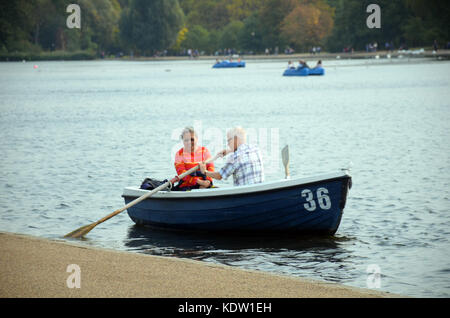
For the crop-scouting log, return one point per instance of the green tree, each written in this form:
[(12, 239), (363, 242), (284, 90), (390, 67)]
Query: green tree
[(351, 29), (427, 22), (210, 14), (31, 25), (271, 17), (230, 35), (150, 26), (15, 25), (251, 35), (197, 38), (214, 40), (100, 24)]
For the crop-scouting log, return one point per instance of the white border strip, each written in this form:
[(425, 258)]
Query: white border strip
[(271, 185)]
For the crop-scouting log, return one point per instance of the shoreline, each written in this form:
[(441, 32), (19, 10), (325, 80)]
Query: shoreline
[(39, 268), (441, 54), (66, 56)]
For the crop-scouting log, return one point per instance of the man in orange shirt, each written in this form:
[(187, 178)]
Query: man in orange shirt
[(188, 157)]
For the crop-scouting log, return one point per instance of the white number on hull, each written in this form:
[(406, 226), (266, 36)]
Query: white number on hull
[(322, 198), (310, 205)]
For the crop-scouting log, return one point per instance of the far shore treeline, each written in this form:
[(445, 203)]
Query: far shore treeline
[(36, 29)]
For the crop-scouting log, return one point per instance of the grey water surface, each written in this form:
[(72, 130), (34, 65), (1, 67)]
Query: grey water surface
[(74, 134)]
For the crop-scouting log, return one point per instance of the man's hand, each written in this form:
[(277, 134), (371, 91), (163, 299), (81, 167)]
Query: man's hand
[(223, 153), (203, 183), (214, 175), (175, 179)]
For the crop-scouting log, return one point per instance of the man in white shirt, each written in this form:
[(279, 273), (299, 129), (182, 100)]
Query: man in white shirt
[(244, 163)]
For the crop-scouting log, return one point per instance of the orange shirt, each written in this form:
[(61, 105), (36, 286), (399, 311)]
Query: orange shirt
[(185, 161)]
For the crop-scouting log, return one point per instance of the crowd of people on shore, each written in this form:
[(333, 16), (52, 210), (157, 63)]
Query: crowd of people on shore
[(371, 47), (195, 53), (436, 46)]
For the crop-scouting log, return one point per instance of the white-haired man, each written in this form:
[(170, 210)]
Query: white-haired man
[(244, 163)]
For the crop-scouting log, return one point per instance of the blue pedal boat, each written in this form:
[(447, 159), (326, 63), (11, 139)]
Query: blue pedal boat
[(294, 206), (304, 71), (317, 71), (226, 64)]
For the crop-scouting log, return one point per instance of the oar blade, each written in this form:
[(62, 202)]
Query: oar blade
[(82, 231), (285, 159), (285, 155)]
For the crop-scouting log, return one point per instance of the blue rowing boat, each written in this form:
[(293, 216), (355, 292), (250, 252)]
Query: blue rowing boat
[(226, 64), (302, 205), (304, 71)]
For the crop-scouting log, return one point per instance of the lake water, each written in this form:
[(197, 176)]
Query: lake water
[(74, 134)]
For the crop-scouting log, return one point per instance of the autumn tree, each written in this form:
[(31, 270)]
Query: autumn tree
[(309, 23), (271, 16), (37, 26)]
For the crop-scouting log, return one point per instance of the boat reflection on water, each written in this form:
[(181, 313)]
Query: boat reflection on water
[(303, 255)]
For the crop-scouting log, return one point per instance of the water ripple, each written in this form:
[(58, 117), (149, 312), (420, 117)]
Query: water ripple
[(73, 137)]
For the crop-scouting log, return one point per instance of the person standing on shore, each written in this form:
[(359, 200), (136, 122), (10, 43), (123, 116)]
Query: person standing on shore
[(244, 163)]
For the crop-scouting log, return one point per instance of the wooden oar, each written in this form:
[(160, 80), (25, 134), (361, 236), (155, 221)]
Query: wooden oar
[(285, 158), (82, 231)]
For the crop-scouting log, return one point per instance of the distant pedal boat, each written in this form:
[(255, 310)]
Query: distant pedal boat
[(302, 205), (304, 71), (226, 64), (317, 71)]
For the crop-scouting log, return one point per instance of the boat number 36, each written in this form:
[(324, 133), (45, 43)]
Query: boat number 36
[(322, 198)]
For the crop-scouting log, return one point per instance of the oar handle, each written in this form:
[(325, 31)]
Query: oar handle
[(285, 158), (286, 171), (193, 169)]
